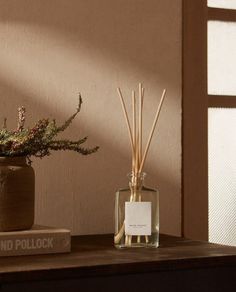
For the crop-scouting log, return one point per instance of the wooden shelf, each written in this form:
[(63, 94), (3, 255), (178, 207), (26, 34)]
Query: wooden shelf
[(95, 257)]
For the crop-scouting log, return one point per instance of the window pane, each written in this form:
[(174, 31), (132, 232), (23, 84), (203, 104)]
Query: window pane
[(222, 175), (222, 3), (221, 58)]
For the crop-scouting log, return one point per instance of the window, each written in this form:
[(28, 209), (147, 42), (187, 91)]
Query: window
[(209, 120), (221, 56)]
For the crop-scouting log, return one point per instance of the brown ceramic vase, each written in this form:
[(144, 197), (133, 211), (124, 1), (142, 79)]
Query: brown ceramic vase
[(17, 192)]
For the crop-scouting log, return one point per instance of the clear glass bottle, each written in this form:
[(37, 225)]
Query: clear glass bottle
[(136, 215)]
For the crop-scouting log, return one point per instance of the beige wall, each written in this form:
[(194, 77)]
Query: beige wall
[(50, 50)]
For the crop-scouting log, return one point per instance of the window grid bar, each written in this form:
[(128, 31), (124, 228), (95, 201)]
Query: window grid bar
[(221, 14), (224, 101)]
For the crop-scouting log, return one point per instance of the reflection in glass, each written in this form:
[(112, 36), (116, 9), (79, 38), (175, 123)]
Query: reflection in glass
[(221, 58), (222, 175)]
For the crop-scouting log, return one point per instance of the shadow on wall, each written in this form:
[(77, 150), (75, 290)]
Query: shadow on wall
[(51, 49)]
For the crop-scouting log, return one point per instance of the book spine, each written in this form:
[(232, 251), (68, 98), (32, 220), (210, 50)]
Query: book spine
[(32, 244)]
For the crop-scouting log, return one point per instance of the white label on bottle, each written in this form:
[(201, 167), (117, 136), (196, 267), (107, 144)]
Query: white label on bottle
[(138, 218)]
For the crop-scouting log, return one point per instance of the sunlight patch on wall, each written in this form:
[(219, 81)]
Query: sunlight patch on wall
[(51, 69)]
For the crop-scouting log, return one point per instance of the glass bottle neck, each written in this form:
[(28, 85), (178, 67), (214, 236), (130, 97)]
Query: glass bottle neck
[(136, 180)]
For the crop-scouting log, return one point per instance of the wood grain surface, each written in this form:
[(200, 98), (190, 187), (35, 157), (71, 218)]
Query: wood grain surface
[(95, 256)]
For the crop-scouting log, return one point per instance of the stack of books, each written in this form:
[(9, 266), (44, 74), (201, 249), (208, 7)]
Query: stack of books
[(38, 240)]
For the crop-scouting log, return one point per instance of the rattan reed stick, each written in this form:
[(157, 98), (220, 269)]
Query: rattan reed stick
[(134, 131), (152, 130), (126, 118), (140, 120)]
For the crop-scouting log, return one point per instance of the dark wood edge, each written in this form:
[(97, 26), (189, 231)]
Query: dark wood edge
[(118, 269)]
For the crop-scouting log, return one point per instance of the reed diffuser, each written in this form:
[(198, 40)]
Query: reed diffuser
[(137, 206)]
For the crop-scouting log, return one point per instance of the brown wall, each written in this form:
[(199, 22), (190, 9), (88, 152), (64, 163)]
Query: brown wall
[(50, 50)]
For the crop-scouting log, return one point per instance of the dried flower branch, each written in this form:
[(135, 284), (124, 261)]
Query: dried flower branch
[(4, 126), (21, 118), (40, 140)]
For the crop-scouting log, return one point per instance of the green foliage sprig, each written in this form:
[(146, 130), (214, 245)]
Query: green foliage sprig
[(40, 140)]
